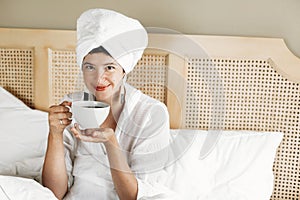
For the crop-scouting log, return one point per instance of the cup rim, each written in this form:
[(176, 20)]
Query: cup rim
[(85, 103)]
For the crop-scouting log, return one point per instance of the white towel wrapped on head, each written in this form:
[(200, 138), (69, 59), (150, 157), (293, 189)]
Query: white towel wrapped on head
[(124, 38)]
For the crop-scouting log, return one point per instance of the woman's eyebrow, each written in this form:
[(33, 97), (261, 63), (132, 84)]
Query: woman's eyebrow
[(104, 64), (110, 63), (87, 63)]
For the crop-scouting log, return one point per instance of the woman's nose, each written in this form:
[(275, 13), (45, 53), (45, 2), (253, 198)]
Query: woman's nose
[(100, 75)]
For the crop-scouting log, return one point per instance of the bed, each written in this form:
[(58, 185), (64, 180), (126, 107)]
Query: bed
[(234, 103)]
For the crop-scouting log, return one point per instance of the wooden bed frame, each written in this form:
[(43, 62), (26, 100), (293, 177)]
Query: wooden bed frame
[(207, 82)]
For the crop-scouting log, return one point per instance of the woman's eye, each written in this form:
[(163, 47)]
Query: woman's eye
[(89, 67), (109, 67)]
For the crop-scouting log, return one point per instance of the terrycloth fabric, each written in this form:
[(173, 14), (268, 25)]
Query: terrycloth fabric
[(123, 37)]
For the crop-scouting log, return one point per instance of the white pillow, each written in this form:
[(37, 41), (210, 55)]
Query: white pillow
[(23, 188), (239, 166), (8, 100), (23, 136)]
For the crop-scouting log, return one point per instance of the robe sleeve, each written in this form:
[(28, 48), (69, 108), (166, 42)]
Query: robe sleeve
[(70, 146), (150, 155)]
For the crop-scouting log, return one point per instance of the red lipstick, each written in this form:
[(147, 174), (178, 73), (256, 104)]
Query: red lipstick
[(101, 88)]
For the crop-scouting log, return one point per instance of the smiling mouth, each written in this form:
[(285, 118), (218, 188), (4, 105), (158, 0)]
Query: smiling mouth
[(101, 88)]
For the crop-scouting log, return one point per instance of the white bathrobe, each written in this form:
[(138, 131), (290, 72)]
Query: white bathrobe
[(143, 134)]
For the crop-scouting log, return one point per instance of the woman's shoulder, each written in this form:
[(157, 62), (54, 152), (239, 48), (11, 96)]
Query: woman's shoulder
[(142, 99), (144, 112), (141, 106)]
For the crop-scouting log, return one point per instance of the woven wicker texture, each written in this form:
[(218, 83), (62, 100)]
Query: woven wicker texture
[(248, 95), (150, 76), (64, 76), (17, 73)]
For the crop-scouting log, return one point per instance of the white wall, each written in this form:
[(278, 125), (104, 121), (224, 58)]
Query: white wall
[(262, 18)]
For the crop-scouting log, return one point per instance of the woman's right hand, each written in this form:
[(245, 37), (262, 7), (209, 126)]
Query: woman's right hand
[(59, 117)]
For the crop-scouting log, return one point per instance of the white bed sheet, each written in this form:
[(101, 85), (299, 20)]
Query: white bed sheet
[(17, 188)]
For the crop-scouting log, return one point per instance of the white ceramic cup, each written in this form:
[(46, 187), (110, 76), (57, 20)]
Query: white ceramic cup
[(90, 114)]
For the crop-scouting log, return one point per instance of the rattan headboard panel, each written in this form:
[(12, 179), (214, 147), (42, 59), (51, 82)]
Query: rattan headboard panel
[(250, 95), (17, 73)]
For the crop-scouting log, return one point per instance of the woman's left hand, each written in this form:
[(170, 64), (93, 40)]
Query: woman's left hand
[(98, 135)]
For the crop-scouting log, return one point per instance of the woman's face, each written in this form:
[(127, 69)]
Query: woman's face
[(102, 75)]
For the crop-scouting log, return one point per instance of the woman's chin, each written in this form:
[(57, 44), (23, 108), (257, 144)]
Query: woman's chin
[(102, 98)]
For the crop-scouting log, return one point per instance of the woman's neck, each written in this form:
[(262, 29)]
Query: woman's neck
[(116, 107)]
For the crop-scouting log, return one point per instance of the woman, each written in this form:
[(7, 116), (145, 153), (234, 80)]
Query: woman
[(124, 157)]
